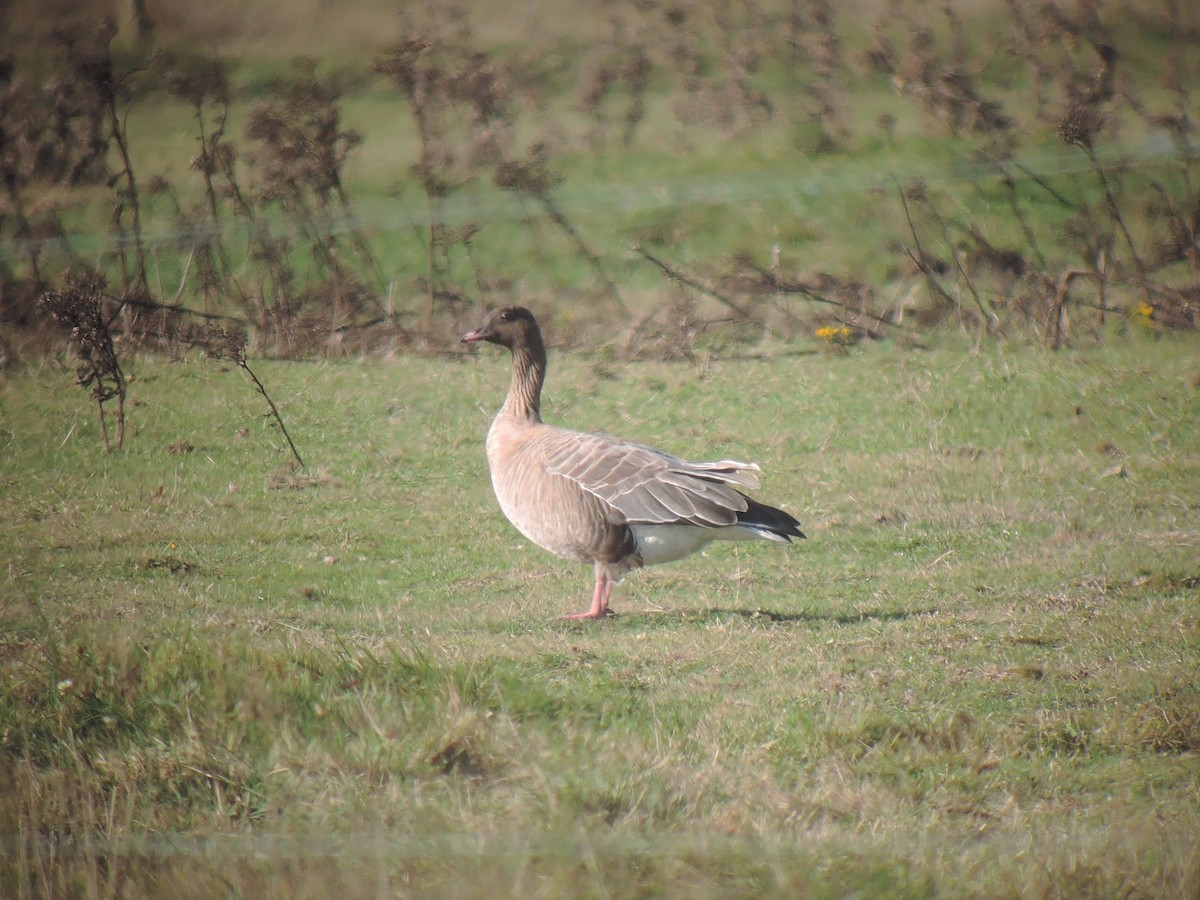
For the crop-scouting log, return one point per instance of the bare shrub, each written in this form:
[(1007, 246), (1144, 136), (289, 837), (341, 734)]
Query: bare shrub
[(78, 305), (945, 81), (301, 149), (465, 118)]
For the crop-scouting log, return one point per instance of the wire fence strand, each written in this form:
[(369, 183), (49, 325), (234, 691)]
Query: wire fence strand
[(488, 205)]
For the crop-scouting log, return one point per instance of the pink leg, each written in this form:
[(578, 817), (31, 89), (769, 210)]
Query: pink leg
[(600, 595)]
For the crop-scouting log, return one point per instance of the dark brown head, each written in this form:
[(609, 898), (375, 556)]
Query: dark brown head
[(514, 327), (509, 326)]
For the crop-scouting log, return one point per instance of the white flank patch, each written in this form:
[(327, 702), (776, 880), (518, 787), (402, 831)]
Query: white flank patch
[(667, 543)]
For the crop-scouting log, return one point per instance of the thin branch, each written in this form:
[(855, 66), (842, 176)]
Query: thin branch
[(1036, 179), (678, 276), (1019, 213), (1113, 208), (798, 287), (918, 258), (220, 343), (274, 410), (1061, 290), (561, 220)]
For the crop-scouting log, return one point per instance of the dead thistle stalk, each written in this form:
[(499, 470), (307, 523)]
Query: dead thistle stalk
[(78, 306)]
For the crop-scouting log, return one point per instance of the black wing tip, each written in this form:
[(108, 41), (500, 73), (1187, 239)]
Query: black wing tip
[(768, 518), (768, 531)]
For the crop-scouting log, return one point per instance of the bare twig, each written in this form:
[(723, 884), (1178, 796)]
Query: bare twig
[(918, 258), (274, 410), (1113, 208), (676, 275), (1019, 214), (780, 286), (533, 177), (1049, 189), (231, 345), (1058, 329)]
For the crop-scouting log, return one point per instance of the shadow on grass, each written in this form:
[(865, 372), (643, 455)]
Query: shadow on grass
[(824, 616), (720, 615)]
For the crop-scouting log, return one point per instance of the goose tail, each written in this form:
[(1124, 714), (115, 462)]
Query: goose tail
[(769, 522)]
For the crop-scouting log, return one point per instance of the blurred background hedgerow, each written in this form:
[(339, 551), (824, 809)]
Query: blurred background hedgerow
[(661, 175)]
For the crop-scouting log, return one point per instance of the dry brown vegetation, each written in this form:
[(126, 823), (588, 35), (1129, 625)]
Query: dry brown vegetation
[(268, 234)]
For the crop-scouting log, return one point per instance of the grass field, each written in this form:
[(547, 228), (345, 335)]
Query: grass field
[(224, 676)]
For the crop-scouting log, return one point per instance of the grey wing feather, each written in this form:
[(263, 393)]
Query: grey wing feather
[(648, 486)]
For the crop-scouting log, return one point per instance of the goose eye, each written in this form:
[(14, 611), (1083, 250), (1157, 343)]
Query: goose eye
[(506, 316)]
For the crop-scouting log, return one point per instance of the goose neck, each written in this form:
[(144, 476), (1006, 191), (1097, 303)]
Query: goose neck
[(524, 400)]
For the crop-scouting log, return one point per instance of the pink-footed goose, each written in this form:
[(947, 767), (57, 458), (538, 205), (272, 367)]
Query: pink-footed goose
[(597, 499)]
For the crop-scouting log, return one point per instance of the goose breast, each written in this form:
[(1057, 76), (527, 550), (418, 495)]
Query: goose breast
[(548, 508)]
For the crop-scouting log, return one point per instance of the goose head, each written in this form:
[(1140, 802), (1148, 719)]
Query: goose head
[(509, 326)]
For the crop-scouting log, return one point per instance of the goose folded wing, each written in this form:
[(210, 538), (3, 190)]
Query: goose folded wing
[(644, 485)]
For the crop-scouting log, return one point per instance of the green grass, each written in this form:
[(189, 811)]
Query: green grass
[(978, 677)]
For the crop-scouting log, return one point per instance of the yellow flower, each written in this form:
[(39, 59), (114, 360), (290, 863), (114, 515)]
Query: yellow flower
[(1143, 316), (834, 334)]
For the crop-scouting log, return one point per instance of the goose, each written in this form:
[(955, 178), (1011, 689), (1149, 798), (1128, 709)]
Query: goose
[(614, 503)]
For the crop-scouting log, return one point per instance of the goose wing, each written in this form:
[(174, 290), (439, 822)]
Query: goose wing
[(643, 485)]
